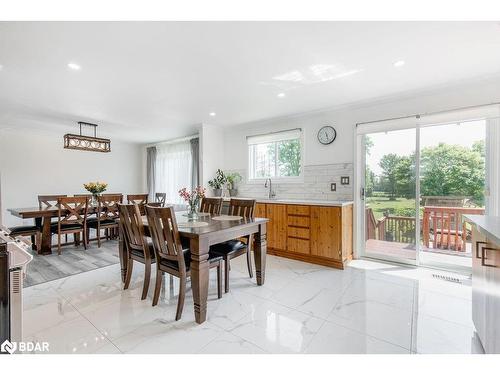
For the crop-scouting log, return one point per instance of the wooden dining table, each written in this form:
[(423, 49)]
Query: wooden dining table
[(200, 239), (43, 218)]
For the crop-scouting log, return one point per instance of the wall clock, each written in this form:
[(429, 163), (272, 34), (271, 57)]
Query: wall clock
[(327, 135)]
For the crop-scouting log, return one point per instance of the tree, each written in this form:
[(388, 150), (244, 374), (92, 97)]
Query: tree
[(369, 181), (388, 164), (405, 176), (289, 158), (453, 170)]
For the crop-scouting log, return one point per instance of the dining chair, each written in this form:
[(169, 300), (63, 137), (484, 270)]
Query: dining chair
[(107, 213), (48, 201), (171, 256), (71, 219), (212, 206), (234, 248), (32, 231), (161, 198), (139, 248), (140, 199)]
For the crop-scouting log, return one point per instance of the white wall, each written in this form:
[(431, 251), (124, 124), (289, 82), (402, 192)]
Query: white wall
[(38, 164), (344, 120), (212, 151)]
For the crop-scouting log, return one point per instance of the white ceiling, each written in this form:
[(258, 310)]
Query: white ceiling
[(149, 81)]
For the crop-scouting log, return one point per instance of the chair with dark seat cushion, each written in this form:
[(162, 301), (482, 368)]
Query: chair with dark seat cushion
[(161, 198), (234, 248), (140, 199), (71, 219), (107, 213), (139, 249), (212, 206), (33, 231), (171, 257)]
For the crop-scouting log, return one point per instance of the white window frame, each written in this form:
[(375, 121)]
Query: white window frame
[(275, 137)]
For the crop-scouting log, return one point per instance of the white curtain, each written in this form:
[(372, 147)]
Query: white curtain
[(493, 166), (173, 169)]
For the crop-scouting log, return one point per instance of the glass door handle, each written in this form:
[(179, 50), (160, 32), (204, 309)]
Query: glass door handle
[(483, 260), (478, 243)]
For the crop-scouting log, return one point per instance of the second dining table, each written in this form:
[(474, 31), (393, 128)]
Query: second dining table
[(201, 233)]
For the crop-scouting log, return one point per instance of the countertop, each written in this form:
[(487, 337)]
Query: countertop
[(306, 202), (487, 225)]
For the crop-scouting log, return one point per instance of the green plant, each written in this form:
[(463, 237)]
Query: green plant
[(232, 178), (218, 181)]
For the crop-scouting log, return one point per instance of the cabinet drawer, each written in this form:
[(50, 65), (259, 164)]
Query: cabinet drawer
[(298, 232), (297, 245), (299, 221), (293, 209)]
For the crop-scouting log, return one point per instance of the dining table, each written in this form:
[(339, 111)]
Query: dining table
[(200, 234), (43, 218)]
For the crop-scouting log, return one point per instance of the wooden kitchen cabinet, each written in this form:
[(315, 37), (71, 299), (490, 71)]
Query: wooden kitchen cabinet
[(310, 233), (276, 227)]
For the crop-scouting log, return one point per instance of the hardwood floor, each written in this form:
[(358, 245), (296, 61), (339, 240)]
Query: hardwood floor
[(73, 260)]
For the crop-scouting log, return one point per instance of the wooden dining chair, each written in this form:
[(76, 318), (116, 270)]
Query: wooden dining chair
[(48, 201), (107, 213), (234, 248), (140, 199), (161, 198), (139, 248), (171, 257), (212, 206), (71, 219)]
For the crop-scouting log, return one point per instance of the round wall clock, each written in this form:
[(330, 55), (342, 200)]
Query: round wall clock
[(327, 135)]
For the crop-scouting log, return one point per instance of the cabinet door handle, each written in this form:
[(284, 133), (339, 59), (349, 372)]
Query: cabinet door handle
[(477, 248), (483, 260)]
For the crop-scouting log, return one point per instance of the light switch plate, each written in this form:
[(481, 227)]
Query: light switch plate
[(333, 186)]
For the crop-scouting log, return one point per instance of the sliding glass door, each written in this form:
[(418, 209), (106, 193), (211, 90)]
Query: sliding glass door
[(452, 184), (417, 183), (389, 195)]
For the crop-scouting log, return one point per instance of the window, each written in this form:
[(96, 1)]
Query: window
[(275, 155), (173, 169)]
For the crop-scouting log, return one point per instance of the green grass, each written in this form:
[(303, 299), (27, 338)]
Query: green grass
[(379, 205)]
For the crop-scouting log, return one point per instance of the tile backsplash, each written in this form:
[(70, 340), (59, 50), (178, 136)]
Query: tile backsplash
[(316, 185)]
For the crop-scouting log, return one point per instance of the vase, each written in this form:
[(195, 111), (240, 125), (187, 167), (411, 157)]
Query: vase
[(192, 210), (94, 199), (217, 192)]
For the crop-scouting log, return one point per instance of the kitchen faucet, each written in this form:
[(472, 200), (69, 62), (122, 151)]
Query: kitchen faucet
[(271, 193)]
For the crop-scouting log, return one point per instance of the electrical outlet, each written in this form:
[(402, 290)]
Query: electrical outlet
[(333, 186), (344, 180)]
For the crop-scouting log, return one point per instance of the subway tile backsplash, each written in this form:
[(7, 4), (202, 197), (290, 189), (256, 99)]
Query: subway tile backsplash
[(316, 184)]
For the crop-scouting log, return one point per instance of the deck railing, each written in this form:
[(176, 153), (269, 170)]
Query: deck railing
[(440, 227)]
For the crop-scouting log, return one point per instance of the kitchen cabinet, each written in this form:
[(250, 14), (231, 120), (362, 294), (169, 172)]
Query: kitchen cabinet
[(311, 233)]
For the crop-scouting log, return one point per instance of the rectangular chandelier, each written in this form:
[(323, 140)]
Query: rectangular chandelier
[(87, 143)]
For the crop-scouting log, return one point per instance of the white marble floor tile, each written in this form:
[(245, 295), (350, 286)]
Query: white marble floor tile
[(335, 339), (445, 307), (71, 337), (379, 290), (163, 337), (382, 321), (228, 343), (278, 329), (437, 336)]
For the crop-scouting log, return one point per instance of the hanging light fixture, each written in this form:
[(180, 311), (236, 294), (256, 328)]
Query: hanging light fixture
[(87, 143)]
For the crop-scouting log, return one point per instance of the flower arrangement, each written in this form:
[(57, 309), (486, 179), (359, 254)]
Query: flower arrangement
[(95, 187), (192, 198)]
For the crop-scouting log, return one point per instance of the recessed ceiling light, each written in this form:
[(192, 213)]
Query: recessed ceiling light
[(74, 66), (399, 64), (212, 114), (281, 95)]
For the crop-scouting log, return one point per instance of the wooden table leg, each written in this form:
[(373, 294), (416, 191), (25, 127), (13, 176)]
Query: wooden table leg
[(46, 247), (199, 277), (123, 251), (260, 254)]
